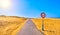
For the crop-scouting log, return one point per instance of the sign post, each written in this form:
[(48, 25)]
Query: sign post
[(43, 15)]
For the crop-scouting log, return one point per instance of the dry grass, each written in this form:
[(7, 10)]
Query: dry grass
[(51, 25), (10, 25)]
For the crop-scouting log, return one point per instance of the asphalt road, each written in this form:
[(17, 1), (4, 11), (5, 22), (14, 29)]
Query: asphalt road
[(29, 28)]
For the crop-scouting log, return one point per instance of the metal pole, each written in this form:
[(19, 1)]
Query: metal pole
[(42, 24), (43, 15)]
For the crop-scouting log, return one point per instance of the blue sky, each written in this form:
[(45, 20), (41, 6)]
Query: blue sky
[(33, 8)]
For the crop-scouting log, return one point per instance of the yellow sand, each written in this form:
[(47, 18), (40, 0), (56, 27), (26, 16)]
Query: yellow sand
[(51, 25), (11, 25)]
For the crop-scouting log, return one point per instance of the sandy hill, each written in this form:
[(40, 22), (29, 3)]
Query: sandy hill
[(9, 24), (51, 25)]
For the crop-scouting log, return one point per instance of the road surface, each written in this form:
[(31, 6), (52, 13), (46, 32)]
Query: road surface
[(29, 28)]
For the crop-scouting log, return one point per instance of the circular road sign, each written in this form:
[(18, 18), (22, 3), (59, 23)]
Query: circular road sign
[(43, 15)]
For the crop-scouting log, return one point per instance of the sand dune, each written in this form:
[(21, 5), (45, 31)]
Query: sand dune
[(12, 25), (51, 25)]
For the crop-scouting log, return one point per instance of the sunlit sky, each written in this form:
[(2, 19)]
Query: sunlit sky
[(30, 8)]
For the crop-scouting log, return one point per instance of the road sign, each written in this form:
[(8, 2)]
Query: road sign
[(43, 15)]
